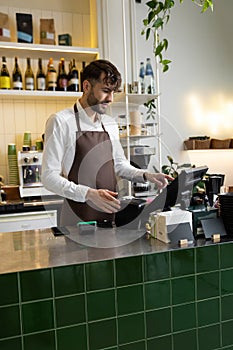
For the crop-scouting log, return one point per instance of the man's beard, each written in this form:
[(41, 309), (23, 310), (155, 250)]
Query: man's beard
[(95, 104)]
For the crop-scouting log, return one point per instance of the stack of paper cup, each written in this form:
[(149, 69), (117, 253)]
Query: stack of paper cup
[(13, 165), (27, 139), (135, 123)]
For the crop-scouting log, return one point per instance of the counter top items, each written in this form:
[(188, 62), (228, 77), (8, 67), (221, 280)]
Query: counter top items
[(13, 165), (226, 211)]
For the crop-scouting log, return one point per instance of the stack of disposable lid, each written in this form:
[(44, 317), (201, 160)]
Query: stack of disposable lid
[(226, 211)]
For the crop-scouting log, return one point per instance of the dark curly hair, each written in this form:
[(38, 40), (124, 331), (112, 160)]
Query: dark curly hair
[(92, 73)]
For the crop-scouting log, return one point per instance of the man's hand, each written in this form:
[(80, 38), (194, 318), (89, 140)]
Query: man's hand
[(104, 200), (160, 179)]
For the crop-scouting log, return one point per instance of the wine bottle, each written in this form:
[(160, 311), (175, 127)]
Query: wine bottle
[(81, 75), (5, 81), (29, 76), (149, 78), (62, 80), (17, 82), (73, 82), (40, 77), (51, 76)]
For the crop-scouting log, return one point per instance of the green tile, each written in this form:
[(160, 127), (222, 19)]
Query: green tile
[(101, 305), (184, 317), (227, 334), (9, 321), (37, 316), (157, 294), (209, 337), (36, 284), (141, 345), (99, 275), (226, 255), (9, 289), (182, 262), (208, 312), (207, 258), (227, 281), (227, 307), (130, 299), (131, 328), (72, 338), (68, 280), (102, 334), (183, 290), (39, 341), (207, 285), (11, 344), (158, 322), (156, 266), (129, 270), (185, 340), (70, 310), (161, 343)]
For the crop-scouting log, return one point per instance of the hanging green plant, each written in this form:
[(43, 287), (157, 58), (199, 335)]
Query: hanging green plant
[(158, 16)]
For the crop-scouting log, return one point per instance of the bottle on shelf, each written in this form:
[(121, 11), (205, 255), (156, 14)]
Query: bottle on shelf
[(5, 81), (17, 82), (51, 76), (40, 77), (29, 76), (62, 79), (73, 82), (142, 77), (149, 78), (81, 75)]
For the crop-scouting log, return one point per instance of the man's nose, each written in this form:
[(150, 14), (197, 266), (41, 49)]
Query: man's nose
[(110, 96)]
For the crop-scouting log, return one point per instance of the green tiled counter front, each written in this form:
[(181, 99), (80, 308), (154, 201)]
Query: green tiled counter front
[(162, 300)]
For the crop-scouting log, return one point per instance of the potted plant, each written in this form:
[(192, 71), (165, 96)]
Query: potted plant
[(159, 12)]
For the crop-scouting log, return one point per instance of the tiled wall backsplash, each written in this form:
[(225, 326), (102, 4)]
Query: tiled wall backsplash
[(175, 300), (17, 116)]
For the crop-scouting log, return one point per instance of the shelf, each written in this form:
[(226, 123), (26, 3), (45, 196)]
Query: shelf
[(21, 94), (12, 49), (136, 99)]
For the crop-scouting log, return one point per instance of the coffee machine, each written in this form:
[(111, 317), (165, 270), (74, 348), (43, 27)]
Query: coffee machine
[(30, 166), (140, 156)]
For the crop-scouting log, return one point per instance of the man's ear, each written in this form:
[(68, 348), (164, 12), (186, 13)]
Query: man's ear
[(86, 86)]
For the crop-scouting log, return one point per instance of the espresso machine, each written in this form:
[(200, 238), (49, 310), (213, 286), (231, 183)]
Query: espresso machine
[(30, 166)]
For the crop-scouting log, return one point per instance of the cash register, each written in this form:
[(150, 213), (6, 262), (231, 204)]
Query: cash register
[(135, 212)]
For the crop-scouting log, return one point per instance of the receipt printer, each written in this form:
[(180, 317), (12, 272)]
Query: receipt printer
[(172, 226)]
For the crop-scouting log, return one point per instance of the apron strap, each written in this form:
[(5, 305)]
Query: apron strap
[(77, 119)]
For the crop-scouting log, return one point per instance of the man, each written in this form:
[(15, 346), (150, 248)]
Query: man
[(83, 155)]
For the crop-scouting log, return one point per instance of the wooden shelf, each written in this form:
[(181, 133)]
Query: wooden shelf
[(11, 49), (25, 94), (136, 99)]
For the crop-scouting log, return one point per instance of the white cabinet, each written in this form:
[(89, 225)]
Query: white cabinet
[(28, 221)]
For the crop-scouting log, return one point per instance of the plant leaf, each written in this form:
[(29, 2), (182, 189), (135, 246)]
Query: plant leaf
[(151, 16), (147, 33), (151, 4)]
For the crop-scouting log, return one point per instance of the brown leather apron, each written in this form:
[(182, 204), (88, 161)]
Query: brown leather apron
[(92, 166)]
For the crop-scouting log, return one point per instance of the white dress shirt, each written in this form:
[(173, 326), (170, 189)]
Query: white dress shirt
[(59, 152)]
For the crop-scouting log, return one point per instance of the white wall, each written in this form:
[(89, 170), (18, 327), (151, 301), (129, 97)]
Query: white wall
[(197, 91)]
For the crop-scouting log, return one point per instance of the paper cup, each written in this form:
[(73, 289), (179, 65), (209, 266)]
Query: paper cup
[(27, 138), (11, 149)]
